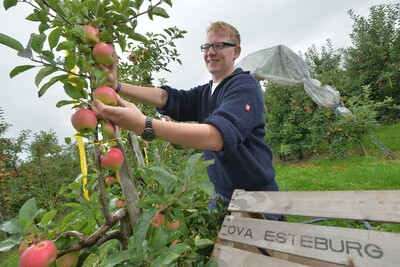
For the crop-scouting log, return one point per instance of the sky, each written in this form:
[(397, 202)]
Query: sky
[(298, 24)]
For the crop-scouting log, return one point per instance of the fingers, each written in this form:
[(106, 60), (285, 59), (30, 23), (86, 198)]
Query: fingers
[(122, 102)]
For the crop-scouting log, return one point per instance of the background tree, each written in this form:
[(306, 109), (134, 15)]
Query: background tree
[(374, 58)]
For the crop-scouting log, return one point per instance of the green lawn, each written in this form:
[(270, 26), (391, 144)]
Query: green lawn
[(373, 172)]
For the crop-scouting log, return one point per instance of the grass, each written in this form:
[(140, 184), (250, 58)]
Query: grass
[(372, 172)]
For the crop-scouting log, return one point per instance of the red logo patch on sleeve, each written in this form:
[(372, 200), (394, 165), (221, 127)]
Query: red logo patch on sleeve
[(247, 107)]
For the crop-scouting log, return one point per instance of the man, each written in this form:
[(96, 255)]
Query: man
[(229, 110)]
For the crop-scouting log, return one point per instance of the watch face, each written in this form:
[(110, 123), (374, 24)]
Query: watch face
[(148, 134)]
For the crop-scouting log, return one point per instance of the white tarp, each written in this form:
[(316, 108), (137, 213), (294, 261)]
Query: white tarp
[(281, 65)]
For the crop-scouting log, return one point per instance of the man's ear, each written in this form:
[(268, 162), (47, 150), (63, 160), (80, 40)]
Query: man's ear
[(238, 49)]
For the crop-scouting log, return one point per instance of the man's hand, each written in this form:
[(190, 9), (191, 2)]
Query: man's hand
[(126, 116)]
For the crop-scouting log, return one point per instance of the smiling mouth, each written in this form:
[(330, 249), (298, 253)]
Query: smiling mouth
[(212, 60)]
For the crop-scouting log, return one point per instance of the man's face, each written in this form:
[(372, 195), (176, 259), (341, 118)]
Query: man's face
[(220, 63)]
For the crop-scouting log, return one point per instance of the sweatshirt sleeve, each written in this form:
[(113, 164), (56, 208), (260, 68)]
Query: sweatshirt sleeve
[(181, 104)]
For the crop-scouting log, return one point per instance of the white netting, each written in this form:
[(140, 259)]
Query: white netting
[(281, 65)]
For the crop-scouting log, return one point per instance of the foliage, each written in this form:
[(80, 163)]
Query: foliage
[(40, 175), (374, 59), (111, 235), (179, 196)]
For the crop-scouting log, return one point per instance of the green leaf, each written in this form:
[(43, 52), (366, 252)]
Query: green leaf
[(41, 16), (180, 248), (79, 31), (37, 42), (164, 259), (12, 226), (64, 103), (26, 53), (10, 243), (206, 186), (11, 42), (47, 218), (120, 257), (138, 37), (72, 91), (203, 243), (28, 214), (142, 226), (159, 11), (9, 3), (138, 3), (169, 2), (52, 81), (32, 17), (54, 37), (19, 69), (45, 71), (192, 161)]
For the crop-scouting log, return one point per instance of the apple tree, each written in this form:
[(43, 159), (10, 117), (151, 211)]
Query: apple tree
[(106, 222)]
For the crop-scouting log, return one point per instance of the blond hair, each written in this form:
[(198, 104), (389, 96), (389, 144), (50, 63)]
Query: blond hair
[(223, 27)]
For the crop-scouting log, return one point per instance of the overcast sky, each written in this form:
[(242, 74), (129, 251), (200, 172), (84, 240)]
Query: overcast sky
[(297, 24)]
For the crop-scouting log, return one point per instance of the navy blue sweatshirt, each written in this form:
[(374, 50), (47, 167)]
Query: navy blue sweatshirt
[(236, 109)]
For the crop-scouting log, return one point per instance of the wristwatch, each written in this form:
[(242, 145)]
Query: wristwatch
[(148, 133)]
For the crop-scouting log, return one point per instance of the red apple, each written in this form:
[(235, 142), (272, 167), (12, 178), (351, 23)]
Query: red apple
[(106, 94), (68, 260), (173, 225), (92, 35), (119, 203), (113, 159), (41, 254), (104, 54), (173, 243), (108, 128), (158, 220), (84, 120), (110, 180)]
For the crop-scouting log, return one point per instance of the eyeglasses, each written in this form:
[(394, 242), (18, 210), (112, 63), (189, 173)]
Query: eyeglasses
[(216, 46)]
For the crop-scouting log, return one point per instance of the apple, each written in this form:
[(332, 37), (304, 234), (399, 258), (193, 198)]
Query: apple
[(110, 180), (108, 128), (113, 159), (158, 220), (68, 260), (84, 120), (173, 243), (104, 54), (106, 94), (92, 35), (119, 203), (173, 225), (41, 254)]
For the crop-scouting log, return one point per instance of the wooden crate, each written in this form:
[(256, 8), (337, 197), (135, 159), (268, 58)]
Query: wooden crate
[(245, 232)]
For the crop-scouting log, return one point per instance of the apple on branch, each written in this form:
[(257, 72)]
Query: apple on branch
[(104, 54), (92, 35), (106, 95), (41, 254), (113, 159), (173, 225), (108, 128), (84, 120), (119, 203), (158, 220), (110, 180)]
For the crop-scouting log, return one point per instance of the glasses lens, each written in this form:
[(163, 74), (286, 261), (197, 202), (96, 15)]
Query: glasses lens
[(205, 47), (218, 46)]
